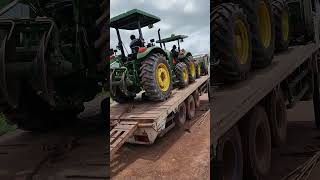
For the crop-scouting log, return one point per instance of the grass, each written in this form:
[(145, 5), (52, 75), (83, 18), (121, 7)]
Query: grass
[(4, 126)]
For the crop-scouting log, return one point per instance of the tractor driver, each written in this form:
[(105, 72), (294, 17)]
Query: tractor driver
[(174, 53), (135, 43)]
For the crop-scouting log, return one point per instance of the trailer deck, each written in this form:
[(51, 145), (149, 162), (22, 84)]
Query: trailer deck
[(229, 104), (152, 118)]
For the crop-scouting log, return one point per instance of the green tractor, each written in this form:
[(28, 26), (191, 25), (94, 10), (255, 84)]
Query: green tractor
[(52, 59), (182, 56), (145, 68)]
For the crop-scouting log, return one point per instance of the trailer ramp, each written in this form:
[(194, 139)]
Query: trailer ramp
[(119, 135)]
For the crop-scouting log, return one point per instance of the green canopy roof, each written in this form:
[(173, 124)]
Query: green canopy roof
[(129, 20), (172, 38)]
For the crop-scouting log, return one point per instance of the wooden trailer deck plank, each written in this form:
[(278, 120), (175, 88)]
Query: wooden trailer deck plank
[(148, 112), (229, 104)]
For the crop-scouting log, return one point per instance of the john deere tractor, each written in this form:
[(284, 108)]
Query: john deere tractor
[(52, 59), (145, 67), (184, 58)]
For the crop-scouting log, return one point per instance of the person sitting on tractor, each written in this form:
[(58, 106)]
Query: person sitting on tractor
[(174, 53), (135, 43)]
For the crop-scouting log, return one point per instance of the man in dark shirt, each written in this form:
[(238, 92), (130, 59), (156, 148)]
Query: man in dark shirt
[(174, 53), (135, 43)]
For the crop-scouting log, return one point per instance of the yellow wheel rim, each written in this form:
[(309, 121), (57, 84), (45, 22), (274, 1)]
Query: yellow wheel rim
[(264, 24), (199, 70), (241, 41), (193, 70), (163, 77), (285, 25), (185, 74)]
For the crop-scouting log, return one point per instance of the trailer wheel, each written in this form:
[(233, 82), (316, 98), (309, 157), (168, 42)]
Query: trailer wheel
[(281, 20), (180, 117), (182, 74), (229, 152), (191, 107), (232, 43), (277, 118), (196, 96), (256, 140)]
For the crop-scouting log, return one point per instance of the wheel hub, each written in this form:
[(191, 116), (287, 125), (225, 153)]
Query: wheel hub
[(163, 77)]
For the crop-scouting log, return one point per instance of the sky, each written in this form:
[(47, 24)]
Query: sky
[(186, 17)]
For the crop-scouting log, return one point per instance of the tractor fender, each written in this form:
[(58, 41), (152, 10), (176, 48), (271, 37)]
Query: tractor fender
[(143, 55)]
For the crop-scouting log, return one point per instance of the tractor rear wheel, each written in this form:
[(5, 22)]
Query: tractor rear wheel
[(281, 19), (192, 68), (232, 43), (182, 74), (259, 14), (198, 70), (156, 78)]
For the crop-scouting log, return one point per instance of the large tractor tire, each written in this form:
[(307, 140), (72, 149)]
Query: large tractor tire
[(191, 68), (281, 20), (259, 14), (198, 70), (156, 78), (229, 151), (256, 139), (232, 43), (182, 74), (276, 110)]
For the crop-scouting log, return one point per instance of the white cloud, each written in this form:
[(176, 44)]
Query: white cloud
[(189, 7), (164, 4)]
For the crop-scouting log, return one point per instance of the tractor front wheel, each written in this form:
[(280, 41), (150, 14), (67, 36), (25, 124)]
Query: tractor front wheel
[(156, 78), (182, 74), (192, 68)]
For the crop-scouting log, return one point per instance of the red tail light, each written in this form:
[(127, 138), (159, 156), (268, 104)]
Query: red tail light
[(142, 49)]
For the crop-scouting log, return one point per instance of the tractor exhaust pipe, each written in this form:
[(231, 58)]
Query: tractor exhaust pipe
[(160, 39)]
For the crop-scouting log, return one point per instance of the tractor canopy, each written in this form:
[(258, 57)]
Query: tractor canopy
[(130, 20), (172, 38)]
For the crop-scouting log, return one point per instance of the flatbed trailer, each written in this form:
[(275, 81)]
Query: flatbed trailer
[(295, 72), (142, 121)]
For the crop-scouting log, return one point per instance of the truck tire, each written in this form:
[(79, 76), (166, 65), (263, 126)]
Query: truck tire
[(230, 27), (281, 20), (196, 96), (181, 115), (191, 68), (229, 151), (182, 74), (156, 78), (277, 113), (191, 107), (256, 138)]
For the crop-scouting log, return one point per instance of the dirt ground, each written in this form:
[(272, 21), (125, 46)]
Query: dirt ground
[(180, 154), (303, 141), (74, 153)]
